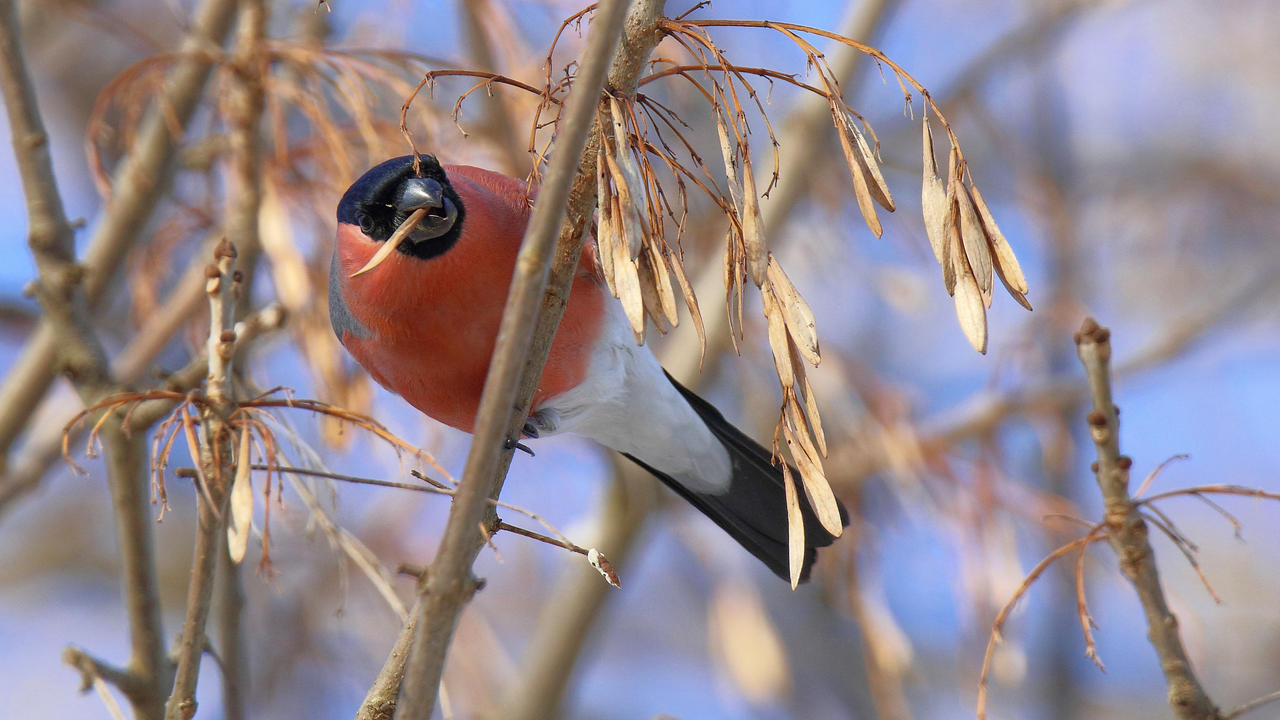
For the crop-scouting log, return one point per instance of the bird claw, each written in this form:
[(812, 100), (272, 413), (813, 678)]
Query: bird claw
[(512, 444)]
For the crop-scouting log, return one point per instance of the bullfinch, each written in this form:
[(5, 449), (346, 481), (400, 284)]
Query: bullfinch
[(424, 320)]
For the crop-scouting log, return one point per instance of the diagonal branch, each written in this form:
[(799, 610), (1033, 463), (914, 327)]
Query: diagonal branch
[(524, 337), (1127, 531)]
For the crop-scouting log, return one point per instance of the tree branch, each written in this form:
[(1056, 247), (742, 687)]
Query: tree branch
[(512, 378), (135, 192), (76, 350), (1127, 531)]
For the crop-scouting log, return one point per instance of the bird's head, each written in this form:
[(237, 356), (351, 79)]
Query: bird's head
[(385, 196)]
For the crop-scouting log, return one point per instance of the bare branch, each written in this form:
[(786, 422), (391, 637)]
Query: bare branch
[(1127, 532), (135, 191), (521, 350)]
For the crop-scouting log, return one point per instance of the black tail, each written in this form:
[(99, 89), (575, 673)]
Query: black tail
[(754, 510)]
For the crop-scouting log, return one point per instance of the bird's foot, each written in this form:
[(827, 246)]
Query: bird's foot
[(541, 422)]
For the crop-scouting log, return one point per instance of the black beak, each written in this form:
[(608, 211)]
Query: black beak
[(426, 194), (419, 193)]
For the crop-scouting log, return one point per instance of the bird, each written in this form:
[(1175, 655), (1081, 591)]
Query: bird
[(420, 312)]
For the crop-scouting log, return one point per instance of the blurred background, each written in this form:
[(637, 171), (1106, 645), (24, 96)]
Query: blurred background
[(1127, 150)]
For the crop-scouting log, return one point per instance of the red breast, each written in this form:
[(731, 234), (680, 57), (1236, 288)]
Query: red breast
[(432, 323)]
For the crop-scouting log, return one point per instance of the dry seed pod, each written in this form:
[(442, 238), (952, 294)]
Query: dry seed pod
[(816, 488), (951, 246), (628, 213), (796, 420), (778, 340), (649, 293), (691, 301), (633, 194), (933, 199), (795, 310), (795, 527), (804, 392), (730, 169), (975, 240), (860, 190), (241, 503), (662, 276), (606, 229), (969, 307), (752, 225), (1006, 263), (870, 168), (627, 280)]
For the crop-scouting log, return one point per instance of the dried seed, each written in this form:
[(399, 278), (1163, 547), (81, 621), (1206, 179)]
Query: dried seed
[(627, 212), (393, 242), (779, 343), (241, 503), (804, 391), (951, 246), (976, 248), (860, 190), (816, 488), (969, 308), (666, 294), (795, 527), (870, 168), (933, 198), (690, 301), (796, 311), (627, 281), (752, 225), (633, 196), (649, 294), (1006, 263)]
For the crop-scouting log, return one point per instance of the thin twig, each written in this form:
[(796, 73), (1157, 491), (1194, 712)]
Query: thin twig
[(1128, 533)]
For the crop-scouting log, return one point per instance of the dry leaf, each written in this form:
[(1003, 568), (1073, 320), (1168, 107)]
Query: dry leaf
[(241, 503), (933, 199), (796, 312), (795, 527), (603, 566)]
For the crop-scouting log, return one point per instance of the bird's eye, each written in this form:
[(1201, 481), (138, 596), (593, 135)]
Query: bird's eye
[(366, 222)]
